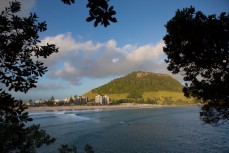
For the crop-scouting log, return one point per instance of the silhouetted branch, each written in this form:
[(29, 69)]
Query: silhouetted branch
[(215, 113)]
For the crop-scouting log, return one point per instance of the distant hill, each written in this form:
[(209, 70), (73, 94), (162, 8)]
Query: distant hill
[(143, 86)]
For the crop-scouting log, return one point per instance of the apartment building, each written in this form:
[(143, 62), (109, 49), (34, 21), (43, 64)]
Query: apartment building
[(102, 100)]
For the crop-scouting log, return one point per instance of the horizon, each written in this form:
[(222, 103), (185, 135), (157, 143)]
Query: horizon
[(89, 57)]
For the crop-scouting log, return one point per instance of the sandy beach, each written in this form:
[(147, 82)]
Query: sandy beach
[(85, 107)]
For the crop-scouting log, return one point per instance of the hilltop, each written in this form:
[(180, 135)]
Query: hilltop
[(142, 87)]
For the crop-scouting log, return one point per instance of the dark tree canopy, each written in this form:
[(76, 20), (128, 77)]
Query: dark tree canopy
[(68, 2), (197, 46), (19, 69), (14, 135), (99, 11), (215, 113)]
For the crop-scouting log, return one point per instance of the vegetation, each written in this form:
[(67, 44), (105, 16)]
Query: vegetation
[(19, 71), (135, 95), (140, 82), (99, 10), (15, 136), (20, 68), (177, 98), (67, 149), (197, 48), (19, 37), (143, 87)]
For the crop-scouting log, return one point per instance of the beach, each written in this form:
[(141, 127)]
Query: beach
[(91, 107), (94, 107)]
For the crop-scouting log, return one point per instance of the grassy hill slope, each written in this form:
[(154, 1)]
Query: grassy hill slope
[(149, 88), (141, 82)]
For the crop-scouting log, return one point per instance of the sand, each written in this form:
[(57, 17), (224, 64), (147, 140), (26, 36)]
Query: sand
[(84, 107)]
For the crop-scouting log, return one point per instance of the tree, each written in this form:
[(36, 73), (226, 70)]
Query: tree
[(99, 11), (88, 149), (19, 71), (70, 100), (52, 98), (66, 149), (51, 101), (135, 94), (15, 136), (20, 68), (196, 46)]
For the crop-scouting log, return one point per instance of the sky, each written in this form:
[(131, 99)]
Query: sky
[(89, 57)]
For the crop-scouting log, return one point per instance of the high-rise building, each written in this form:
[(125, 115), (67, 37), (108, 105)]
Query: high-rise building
[(102, 100)]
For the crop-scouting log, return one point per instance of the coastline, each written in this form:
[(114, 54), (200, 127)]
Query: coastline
[(85, 107)]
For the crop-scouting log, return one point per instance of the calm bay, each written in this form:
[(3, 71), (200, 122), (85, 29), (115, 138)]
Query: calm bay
[(140, 130)]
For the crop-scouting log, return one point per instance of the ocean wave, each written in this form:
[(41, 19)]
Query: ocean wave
[(58, 116), (72, 117)]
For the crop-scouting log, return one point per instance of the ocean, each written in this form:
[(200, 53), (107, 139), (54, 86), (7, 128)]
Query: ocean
[(141, 130)]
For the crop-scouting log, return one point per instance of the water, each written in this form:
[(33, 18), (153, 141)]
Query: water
[(148, 130)]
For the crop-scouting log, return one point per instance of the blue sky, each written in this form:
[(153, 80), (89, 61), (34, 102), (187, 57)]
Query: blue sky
[(90, 57)]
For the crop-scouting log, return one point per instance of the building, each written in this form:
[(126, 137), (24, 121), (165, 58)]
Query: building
[(106, 100), (80, 100), (76, 100), (39, 103), (99, 99), (102, 100)]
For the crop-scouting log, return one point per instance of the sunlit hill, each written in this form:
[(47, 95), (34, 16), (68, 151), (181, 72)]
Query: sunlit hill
[(143, 87)]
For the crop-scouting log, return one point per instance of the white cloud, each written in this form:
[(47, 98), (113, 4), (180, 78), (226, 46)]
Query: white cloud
[(78, 59), (146, 52), (69, 69), (115, 60), (67, 43)]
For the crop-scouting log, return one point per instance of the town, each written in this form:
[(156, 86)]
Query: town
[(70, 101)]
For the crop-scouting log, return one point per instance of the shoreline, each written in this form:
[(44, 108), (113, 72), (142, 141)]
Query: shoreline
[(85, 107)]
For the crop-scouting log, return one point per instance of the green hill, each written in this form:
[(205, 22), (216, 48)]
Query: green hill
[(144, 87)]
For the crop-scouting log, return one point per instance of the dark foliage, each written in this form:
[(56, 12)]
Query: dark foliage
[(15, 136), (68, 2), (215, 113), (19, 70), (197, 47), (66, 149), (12, 111), (99, 10), (88, 149)]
